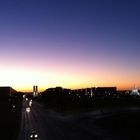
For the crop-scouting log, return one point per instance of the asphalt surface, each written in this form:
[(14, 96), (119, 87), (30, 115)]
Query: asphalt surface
[(50, 125)]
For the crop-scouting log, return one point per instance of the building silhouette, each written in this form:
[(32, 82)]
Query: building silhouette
[(7, 91), (135, 92), (35, 91)]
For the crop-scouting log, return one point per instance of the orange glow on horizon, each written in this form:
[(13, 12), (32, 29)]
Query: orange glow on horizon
[(23, 79), (42, 88)]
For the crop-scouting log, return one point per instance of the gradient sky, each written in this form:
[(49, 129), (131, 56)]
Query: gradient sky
[(69, 43)]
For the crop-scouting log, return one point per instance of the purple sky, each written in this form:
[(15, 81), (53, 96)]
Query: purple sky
[(70, 43)]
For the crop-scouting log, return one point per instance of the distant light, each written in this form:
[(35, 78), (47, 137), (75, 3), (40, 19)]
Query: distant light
[(26, 99), (14, 106)]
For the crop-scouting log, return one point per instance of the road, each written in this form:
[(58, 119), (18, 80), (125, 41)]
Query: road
[(50, 125)]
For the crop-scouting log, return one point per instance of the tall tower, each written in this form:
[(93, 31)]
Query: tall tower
[(35, 90)]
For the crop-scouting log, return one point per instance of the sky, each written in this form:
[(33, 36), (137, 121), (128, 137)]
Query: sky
[(69, 43)]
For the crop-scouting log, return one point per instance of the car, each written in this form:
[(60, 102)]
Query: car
[(28, 109), (30, 103), (34, 135)]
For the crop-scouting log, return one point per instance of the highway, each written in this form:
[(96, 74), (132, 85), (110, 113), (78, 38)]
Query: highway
[(50, 125)]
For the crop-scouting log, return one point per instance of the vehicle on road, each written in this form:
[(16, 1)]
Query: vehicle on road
[(28, 109), (34, 136)]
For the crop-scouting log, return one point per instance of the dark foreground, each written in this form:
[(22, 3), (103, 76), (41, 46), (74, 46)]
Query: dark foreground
[(122, 124), (10, 110)]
